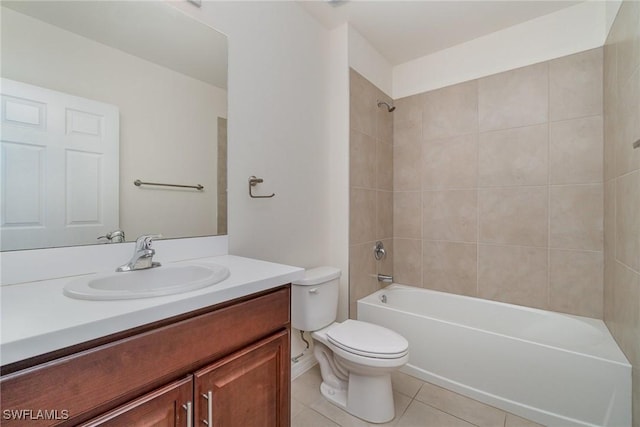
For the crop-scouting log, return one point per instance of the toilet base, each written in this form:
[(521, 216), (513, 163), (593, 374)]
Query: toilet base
[(367, 397), (337, 397)]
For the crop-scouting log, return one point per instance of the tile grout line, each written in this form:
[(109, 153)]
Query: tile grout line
[(548, 287), (422, 195), (323, 416), (450, 414), (477, 165)]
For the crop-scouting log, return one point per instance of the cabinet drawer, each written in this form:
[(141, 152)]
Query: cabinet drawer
[(168, 406), (88, 383)]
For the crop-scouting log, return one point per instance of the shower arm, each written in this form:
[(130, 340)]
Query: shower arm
[(390, 107)]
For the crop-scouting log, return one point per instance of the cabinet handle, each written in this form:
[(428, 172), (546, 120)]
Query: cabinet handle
[(209, 398), (187, 408)]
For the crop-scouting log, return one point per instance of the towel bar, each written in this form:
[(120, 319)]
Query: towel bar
[(138, 183)]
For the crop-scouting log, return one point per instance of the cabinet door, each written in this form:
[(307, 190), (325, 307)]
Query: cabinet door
[(248, 388), (169, 406)]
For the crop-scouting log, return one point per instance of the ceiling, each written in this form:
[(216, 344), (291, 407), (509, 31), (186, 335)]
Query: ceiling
[(406, 30), (150, 30)]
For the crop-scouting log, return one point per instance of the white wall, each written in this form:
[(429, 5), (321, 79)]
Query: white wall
[(160, 141), (574, 29), (369, 62), (278, 129), (338, 110)]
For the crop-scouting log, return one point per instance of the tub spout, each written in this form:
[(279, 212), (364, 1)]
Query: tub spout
[(384, 278)]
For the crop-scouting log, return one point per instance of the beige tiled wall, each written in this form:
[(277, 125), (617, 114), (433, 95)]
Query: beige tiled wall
[(498, 187), (622, 188), (371, 187)]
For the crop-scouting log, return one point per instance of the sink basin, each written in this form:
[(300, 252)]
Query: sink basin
[(152, 282)]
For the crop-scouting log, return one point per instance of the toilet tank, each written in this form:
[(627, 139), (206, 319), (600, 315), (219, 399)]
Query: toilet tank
[(314, 299)]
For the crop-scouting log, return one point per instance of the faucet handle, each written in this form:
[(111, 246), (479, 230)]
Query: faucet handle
[(144, 241)]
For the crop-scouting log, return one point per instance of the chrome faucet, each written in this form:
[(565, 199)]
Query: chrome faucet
[(385, 278), (143, 254)]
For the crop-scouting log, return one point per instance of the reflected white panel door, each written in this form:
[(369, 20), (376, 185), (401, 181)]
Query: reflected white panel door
[(59, 176)]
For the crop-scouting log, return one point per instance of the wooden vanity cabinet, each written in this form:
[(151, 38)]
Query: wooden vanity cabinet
[(228, 366), (243, 389)]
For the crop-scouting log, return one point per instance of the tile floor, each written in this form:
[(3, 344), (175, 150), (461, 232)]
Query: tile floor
[(418, 404)]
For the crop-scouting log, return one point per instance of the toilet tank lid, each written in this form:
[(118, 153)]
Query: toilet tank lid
[(315, 276)]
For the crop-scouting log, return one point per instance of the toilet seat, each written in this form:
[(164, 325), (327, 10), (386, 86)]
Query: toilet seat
[(367, 340)]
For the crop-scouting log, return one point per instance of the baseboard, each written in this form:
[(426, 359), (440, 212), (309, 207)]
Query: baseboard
[(302, 365)]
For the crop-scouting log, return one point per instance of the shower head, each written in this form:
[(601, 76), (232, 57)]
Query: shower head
[(390, 108)]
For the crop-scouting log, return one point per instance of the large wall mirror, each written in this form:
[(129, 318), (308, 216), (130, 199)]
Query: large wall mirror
[(97, 95)]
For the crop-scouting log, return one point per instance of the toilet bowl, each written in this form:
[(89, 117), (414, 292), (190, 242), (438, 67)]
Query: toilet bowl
[(356, 358), (363, 364)]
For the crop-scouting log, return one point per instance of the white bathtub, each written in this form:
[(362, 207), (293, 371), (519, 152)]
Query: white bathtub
[(556, 369)]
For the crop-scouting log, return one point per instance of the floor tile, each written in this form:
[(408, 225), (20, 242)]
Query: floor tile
[(337, 415), (405, 384), (421, 415), (401, 403), (515, 421), (296, 407), (306, 388), (460, 406), (310, 418)]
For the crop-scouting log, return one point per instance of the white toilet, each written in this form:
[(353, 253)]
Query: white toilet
[(356, 358)]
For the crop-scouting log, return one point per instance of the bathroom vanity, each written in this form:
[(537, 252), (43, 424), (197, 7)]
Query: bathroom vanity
[(225, 363)]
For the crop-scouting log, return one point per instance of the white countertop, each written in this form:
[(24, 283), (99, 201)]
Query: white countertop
[(37, 318)]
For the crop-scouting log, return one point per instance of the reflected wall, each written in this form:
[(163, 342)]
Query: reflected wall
[(168, 121)]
